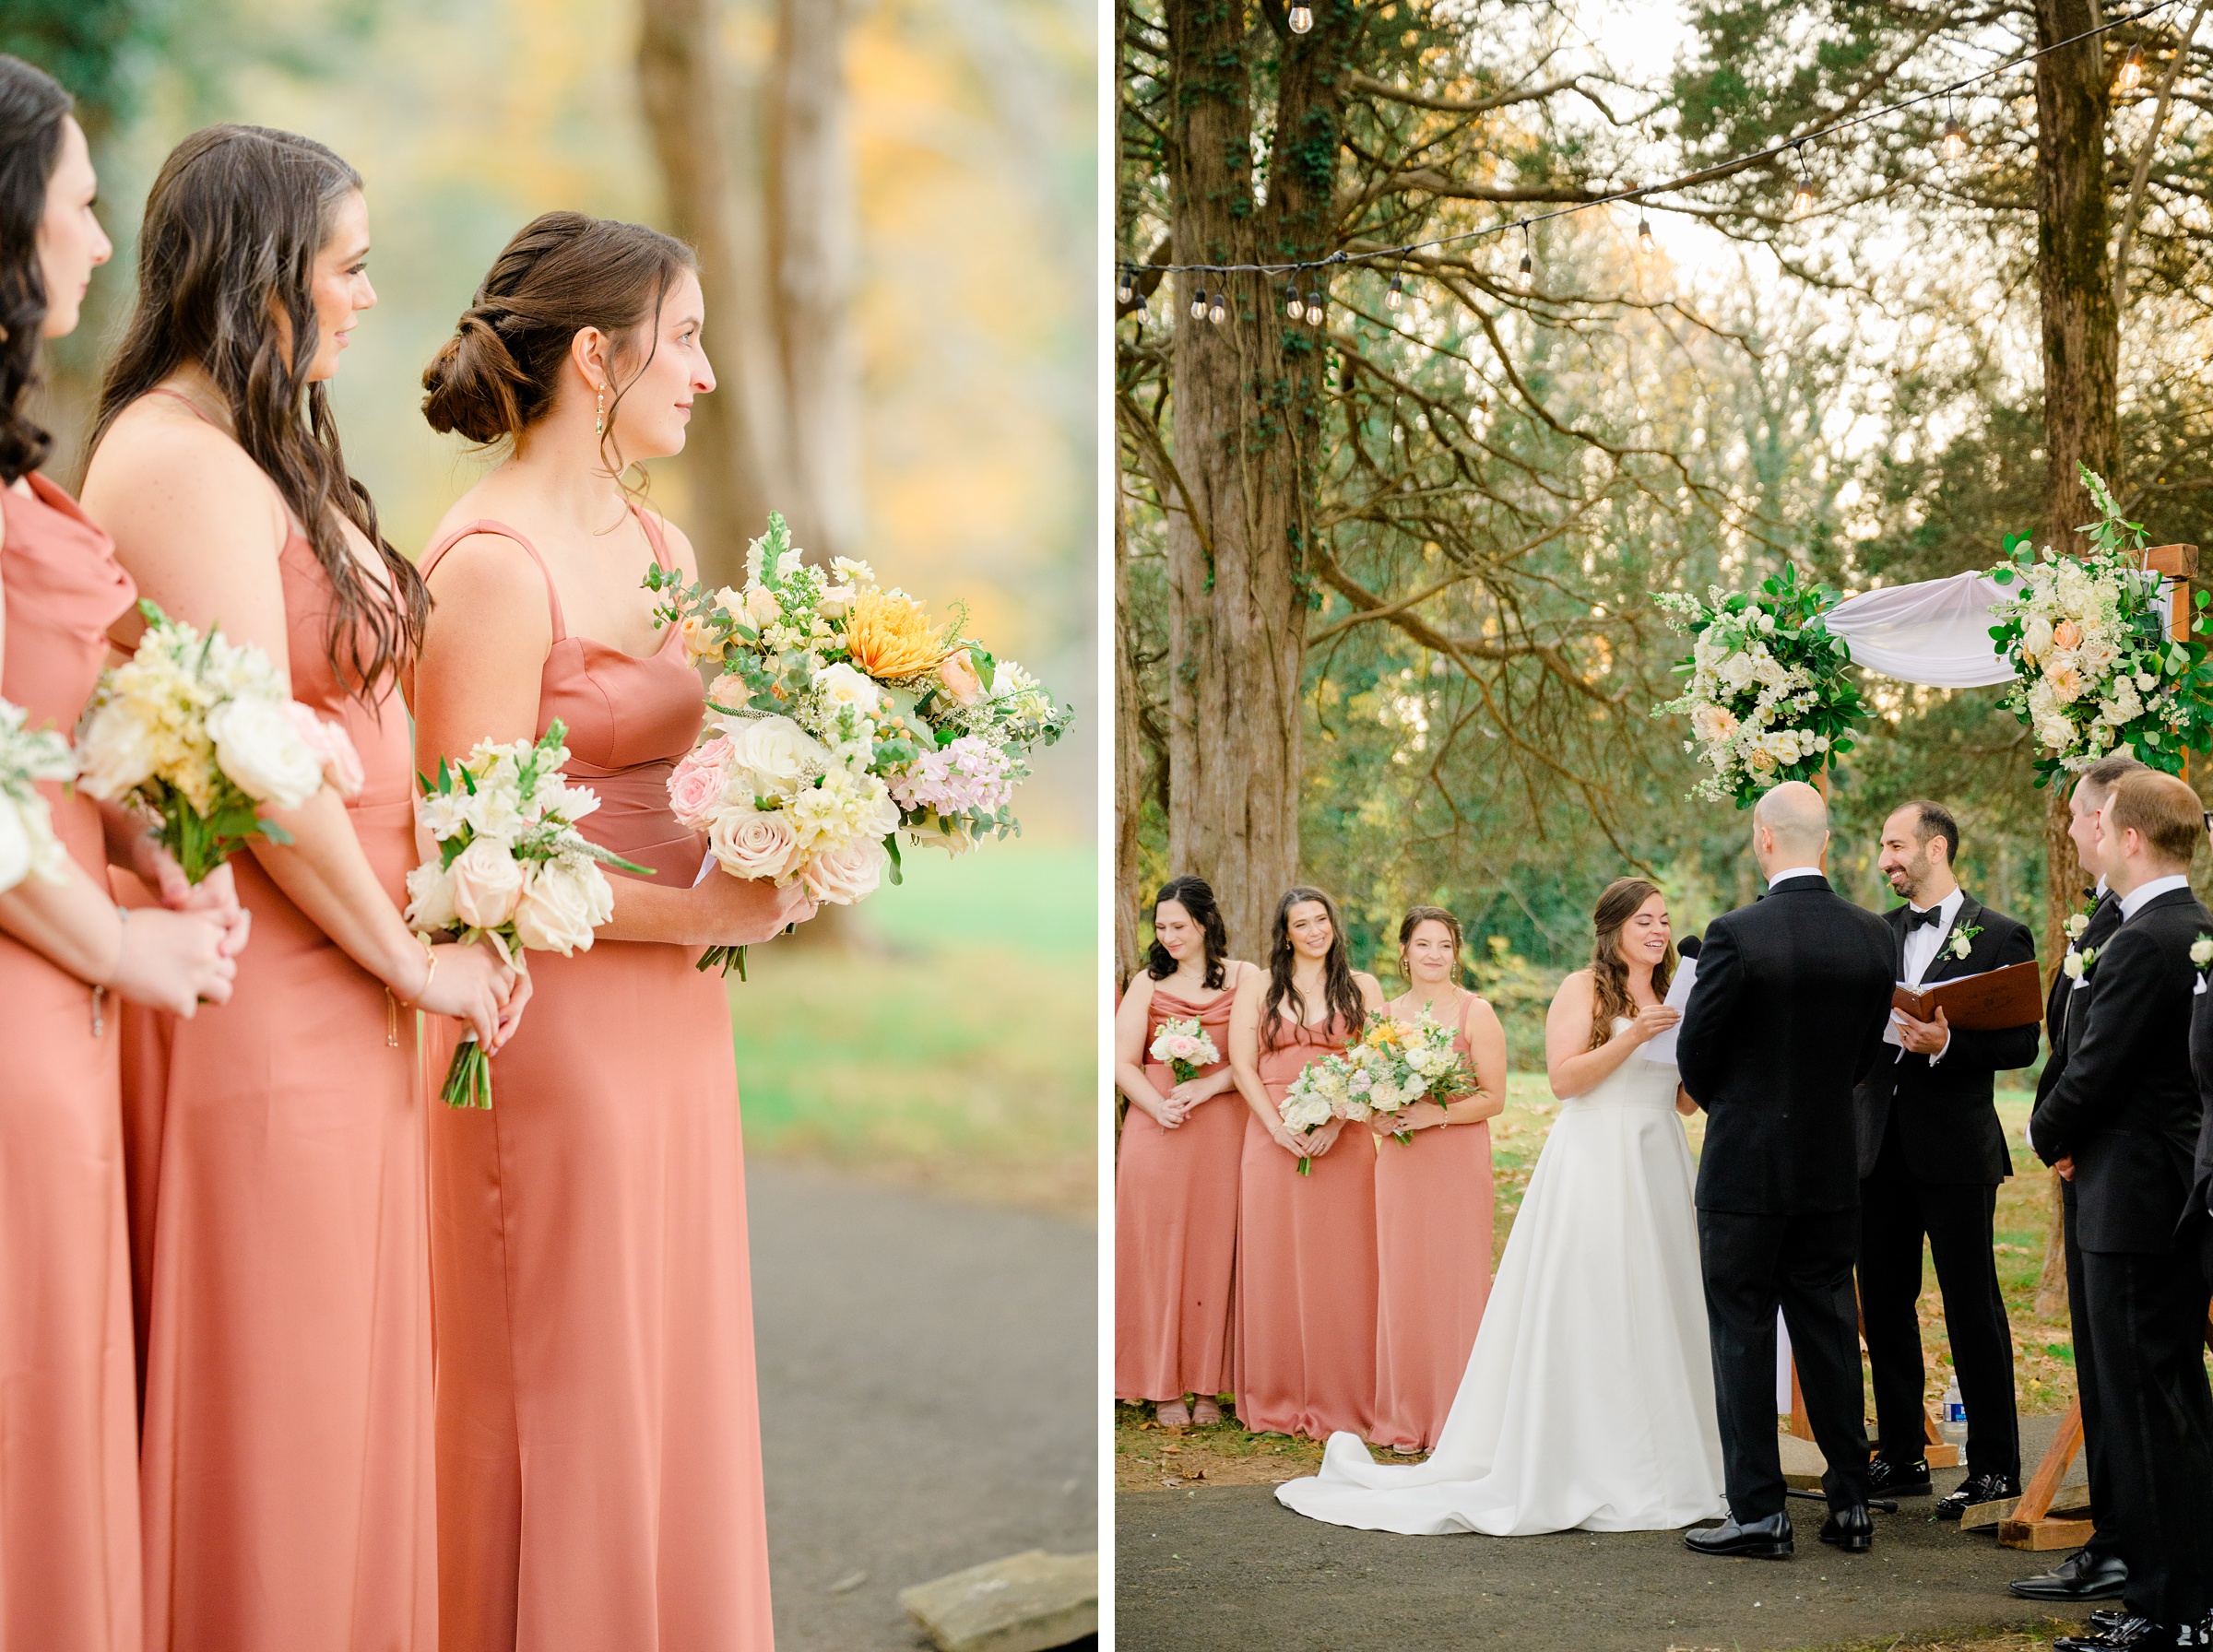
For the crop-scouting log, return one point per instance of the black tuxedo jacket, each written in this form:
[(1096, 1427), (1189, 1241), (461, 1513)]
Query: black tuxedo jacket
[(1786, 1015), (2062, 1020), (1947, 1117), (2199, 1207), (2127, 1106)]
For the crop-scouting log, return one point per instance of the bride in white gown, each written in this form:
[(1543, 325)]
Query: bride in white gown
[(1587, 1400)]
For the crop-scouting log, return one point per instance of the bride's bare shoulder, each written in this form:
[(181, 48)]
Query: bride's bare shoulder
[(1575, 988)]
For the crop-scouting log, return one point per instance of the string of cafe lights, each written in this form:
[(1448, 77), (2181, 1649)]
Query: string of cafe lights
[(1312, 306)]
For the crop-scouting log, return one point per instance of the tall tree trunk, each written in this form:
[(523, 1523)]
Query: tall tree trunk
[(1129, 763), (729, 472), (812, 234), (1245, 397)]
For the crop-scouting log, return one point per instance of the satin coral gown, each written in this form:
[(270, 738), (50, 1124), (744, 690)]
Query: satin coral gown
[(279, 1240), (598, 1435), (1433, 1207), (68, 1425), (1175, 1228), (1305, 1313)]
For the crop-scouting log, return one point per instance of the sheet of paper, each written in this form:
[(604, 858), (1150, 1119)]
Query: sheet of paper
[(1662, 1048), (1890, 1027)]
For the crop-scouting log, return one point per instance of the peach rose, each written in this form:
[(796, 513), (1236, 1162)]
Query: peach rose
[(2067, 634), (957, 672), (700, 641), (842, 875), (487, 884)]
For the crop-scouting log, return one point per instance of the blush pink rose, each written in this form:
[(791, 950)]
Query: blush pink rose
[(758, 842), (696, 786), (843, 876), (957, 672), (487, 884), (341, 762)]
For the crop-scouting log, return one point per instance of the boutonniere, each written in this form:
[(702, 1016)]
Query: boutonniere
[(2201, 952), (2077, 923), (2077, 966), (1962, 940)]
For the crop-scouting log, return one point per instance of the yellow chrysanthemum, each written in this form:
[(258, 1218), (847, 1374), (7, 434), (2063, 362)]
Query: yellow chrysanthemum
[(888, 634)]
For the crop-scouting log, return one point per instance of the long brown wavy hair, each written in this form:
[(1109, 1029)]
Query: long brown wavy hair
[(33, 107), (1196, 897), (1339, 991), (234, 224), (1609, 971)]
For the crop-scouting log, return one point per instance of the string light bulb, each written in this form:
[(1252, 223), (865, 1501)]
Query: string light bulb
[(2132, 71), (1302, 19), (1124, 289), (1806, 195), (1218, 312), (1397, 295), (1316, 312), (1527, 277), (1645, 243), (1955, 140), (1199, 303), (1294, 306)]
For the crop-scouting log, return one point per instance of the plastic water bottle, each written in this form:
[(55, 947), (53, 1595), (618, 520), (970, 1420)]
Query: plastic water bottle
[(1953, 1427)]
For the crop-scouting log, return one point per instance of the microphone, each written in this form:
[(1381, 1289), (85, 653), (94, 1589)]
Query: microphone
[(1687, 946)]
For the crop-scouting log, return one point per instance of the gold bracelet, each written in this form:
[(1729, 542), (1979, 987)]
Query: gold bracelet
[(430, 956)]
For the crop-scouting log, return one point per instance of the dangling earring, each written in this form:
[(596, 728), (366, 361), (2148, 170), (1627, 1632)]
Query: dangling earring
[(599, 422)]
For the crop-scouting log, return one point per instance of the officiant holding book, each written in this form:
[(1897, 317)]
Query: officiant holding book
[(1932, 1155)]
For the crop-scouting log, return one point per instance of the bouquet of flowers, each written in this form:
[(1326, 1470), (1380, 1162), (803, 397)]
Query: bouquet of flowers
[(512, 870), (2096, 668), (847, 715), (1326, 1088), (1185, 1046), (1405, 1062), (27, 845), (1767, 699), (198, 733)]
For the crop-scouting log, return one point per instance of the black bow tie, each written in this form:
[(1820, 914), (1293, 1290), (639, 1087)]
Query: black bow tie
[(1916, 918)]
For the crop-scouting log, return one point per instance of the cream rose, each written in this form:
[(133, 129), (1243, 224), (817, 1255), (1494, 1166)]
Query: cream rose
[(755, 843), (116, 754), (841, 686), (257, 745), (563, 902), (762, 606), (842, 875), (431, 899), (771, 755), (487, 884)]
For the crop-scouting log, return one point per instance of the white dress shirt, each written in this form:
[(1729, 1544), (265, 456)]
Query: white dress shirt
[(1796, 872), (1923, 940), (2133, 902)]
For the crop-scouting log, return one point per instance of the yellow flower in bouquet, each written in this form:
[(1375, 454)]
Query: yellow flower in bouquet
[(888, 634)]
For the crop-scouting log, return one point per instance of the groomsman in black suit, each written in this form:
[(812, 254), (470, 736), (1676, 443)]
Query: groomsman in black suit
[(1787, 1014), (2095, 1571), (1932, 1155), (2122, 1122)]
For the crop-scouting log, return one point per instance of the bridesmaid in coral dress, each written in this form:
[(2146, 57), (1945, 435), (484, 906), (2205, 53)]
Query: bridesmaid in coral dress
[(69, 1564), (598, 1438), (1304, 1344), (1434, 1200), (274, 1147), (1176, 1173)]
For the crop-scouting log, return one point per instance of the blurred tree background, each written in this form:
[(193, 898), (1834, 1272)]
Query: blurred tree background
[(1488, 471), (894, 201)]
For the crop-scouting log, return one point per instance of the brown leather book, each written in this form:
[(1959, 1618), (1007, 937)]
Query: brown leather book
[(1995, 999)]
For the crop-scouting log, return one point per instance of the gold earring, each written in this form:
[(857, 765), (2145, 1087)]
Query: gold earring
[(599, 423)]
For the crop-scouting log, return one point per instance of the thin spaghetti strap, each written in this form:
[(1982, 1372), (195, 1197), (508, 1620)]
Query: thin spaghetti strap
[(179, 397), (654, 538), (500, 530)]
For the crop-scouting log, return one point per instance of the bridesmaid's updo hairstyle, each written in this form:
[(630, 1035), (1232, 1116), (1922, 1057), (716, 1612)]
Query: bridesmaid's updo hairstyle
[(563, 272), (233, 225), (1416, 918), (1339, 991), (1196, 897), (1609, 971), (33, 107)]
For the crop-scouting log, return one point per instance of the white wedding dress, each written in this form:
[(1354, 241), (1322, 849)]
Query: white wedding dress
[(1587, 1400)]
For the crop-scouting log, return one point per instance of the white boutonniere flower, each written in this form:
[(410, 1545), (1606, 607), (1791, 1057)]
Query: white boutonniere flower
[(2077, 923), (1962, 940), (2077, 966), (2201, 950)]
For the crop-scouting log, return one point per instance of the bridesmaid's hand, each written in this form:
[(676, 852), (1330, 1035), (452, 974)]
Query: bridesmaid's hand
[(1166, 1112), (745, 912), (172, 960), (1190, 1093), (511, 1012), (216, 894), (1421, 1115), (470, 984), (1291, 1141)]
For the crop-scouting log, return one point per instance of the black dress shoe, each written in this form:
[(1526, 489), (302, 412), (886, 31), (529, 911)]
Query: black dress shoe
[(1756, 1540), (1978, 1488), (1849, 1528), (2084, 1576), (1887, 1478), (2136, 1635)]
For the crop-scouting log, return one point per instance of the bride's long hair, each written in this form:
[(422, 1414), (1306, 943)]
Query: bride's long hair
[(1609, 971)]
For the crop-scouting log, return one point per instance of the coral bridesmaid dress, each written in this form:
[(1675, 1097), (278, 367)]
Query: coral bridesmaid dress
[(68, 1428), (1175, 1228), (1305, 1314), (278, 1217), (598, 1435), (1434, 1200)]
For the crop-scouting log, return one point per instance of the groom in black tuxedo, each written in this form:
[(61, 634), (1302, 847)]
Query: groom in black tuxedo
[(2123, 1123), (1787, 1013), (1932, 1155)]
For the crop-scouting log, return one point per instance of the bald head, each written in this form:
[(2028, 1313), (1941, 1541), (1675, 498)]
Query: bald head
[(1790, 827)]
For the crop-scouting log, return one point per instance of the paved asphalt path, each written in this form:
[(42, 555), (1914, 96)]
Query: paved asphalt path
[(1229, 1568), (928, 1395)]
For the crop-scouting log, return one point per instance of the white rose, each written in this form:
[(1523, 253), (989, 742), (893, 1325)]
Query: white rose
[(487, 884), (2071, 966), (2201, 950), (431, 899), (771, 755), (849, 873), (563, 902), (841, 686), (116, 752), (259, 747), (755, 843), (2036, 639)]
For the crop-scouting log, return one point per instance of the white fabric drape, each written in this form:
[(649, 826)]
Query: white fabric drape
[(1935, 632)]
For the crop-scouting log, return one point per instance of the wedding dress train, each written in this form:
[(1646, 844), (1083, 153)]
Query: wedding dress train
[(1588, 1402)]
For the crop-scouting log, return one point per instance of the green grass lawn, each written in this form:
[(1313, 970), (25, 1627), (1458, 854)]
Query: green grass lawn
[(952, 1045)]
